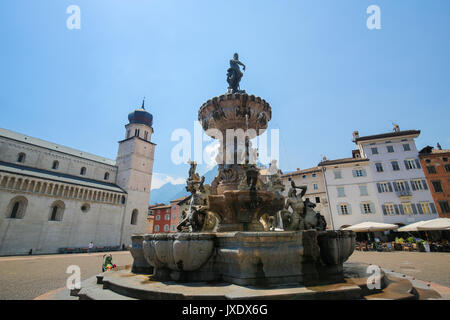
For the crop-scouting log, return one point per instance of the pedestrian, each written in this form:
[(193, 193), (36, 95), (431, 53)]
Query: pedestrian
[(91, 245)]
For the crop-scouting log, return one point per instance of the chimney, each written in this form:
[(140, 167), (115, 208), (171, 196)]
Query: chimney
[(439, 146), (396, 128), (298, 169), (355, 135)]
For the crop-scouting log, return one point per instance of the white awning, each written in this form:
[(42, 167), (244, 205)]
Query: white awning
[(430, 225), (371, 227)]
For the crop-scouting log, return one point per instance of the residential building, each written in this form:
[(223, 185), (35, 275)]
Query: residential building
[(350, 190), (161, 222), (436, 167), (177, 207), (402, 189)]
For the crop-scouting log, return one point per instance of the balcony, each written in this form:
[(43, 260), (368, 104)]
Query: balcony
[(404, 194)]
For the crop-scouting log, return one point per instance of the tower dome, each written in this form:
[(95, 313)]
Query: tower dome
[(141, 116)]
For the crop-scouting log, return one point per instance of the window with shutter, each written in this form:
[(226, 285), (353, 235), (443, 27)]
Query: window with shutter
[(396, 209), (389, 208), (417, 163), (414, 209), (433, 208), (419, 207), (437, 186), (445, 207), (390, 186), (395, 165), (363, 191), (379, 167), (431, 169)]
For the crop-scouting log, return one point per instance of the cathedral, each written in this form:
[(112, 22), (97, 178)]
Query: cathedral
[(53, 196)]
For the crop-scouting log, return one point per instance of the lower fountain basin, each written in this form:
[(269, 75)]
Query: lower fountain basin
[(249, 258), (178, 251), (140, 264), (336, 246)]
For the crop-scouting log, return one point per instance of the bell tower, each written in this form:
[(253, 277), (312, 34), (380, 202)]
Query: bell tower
[(134, 171)]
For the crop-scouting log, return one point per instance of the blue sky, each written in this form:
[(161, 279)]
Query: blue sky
[(323, 72)]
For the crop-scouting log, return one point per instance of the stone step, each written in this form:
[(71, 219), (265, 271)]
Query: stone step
[(99, 293), (142, 287)]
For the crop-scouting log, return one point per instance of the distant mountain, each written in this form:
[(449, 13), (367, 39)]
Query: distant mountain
[(169, 191), (211, 174)]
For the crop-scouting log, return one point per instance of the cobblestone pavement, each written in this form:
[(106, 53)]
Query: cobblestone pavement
[(427, 266), (26, 277)]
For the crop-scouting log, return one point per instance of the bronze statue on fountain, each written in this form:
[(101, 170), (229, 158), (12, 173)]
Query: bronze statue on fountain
[(234, 74), (302, 216)]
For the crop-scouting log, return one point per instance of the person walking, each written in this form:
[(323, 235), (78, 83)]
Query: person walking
[(91, 245)]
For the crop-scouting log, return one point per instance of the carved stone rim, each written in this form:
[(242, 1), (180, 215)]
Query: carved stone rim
[(235, 96), (180, 236)]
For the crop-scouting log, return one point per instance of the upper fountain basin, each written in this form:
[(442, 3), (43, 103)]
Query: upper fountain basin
[(235, 111)]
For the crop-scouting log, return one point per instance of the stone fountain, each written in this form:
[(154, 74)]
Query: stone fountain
[(229, 241), (228, 232)]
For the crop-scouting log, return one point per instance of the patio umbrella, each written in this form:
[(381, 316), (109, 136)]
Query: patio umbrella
[(435, 224), (370, 226), (411, 227), (430, 225)]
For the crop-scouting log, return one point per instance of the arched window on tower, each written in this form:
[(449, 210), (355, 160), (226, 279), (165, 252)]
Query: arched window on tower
[(136, 132), (106, 176), (21, 157), (83, 171), (134, 216), (55, 165), (128, 134), (146, 135)]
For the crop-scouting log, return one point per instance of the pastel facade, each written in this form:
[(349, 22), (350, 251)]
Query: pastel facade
[(52, 196), (161, 223), (177, 208), (351, 191), (436, 166), (402, 190)]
